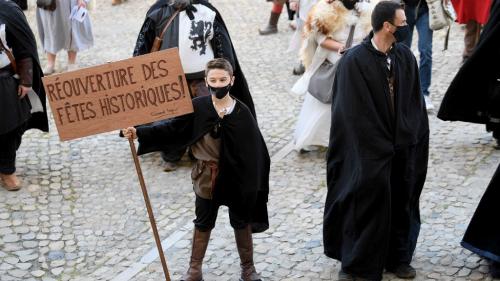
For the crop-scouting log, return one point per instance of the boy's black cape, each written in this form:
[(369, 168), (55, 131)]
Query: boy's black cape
[(243, 180)]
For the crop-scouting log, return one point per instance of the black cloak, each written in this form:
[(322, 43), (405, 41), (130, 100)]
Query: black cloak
[(156, 18), (474, 93), (376, 162), (22, 41), (23, 4), (483, 234), (243, 180)]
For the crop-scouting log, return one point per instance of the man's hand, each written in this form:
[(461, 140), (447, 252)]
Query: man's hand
[(294, 6), (22, 91), (130, 133)]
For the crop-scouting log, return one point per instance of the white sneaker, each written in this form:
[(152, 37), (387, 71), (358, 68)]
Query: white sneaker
[(428, 103)]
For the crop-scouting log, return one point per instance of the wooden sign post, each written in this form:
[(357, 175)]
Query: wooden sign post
[(118, 95)]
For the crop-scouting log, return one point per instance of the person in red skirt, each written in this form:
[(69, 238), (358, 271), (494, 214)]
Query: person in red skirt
[(474, 14)]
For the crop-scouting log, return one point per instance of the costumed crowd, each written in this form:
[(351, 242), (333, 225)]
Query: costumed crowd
[(365, 97)]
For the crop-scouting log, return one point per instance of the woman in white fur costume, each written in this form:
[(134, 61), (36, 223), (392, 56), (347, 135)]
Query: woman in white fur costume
[(325, 35)]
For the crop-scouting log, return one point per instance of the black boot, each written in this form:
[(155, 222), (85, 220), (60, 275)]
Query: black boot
[(200, 243), (272, 26), (244, 244), (343, 276), (403, 271)]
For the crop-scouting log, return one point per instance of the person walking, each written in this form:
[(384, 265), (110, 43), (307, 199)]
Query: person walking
[(21, 90), (326, 33), (473, 14), (272, 25), (378, 153), (417, 16), (58, 32)]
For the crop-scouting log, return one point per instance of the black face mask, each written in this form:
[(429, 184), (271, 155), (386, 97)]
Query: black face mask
[(220, 92), (402, 32), (349, 4)]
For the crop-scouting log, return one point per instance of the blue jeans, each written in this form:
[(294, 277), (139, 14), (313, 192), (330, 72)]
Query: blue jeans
[(421, 21)]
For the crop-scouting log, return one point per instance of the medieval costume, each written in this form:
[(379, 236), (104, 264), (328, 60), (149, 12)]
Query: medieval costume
[(483, 236), (232, 170), (18, 54), (325, 21), (474, 93), (59, 32), (473, 14), (474, 96), (22, 3), (201, 35), (272, 25), (304, 6), (301, 17), (377, 160)]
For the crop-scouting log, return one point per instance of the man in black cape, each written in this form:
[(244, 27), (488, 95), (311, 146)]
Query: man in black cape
[(474, 93), (212, 35), (378, 152), (18, 55), (474, 96)]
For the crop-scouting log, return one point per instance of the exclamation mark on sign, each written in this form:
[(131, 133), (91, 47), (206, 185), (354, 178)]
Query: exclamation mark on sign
[(181, 83)]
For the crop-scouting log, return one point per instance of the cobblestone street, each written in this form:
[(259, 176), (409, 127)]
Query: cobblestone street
[(80, 214)]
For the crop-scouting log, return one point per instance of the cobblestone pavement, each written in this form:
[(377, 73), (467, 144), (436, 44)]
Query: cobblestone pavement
[(81, 216)]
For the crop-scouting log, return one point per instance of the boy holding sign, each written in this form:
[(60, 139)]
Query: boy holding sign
[(232, 167)]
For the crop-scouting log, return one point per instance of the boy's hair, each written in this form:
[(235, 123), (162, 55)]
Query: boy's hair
[(219, 63), (384, 11)]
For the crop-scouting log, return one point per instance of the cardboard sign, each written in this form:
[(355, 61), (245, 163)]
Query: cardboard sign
[(117, 95)]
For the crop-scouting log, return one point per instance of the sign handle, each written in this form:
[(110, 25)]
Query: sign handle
[(150, 210)]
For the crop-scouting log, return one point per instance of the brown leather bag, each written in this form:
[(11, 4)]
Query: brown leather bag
[(159, 38), (203, 176)]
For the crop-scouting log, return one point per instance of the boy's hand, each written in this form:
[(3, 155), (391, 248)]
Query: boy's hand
[(130, 133), (22, 91)]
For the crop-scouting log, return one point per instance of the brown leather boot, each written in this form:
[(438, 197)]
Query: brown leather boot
[(245, 250), (200, 243), (272, 26), (471, 37)]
